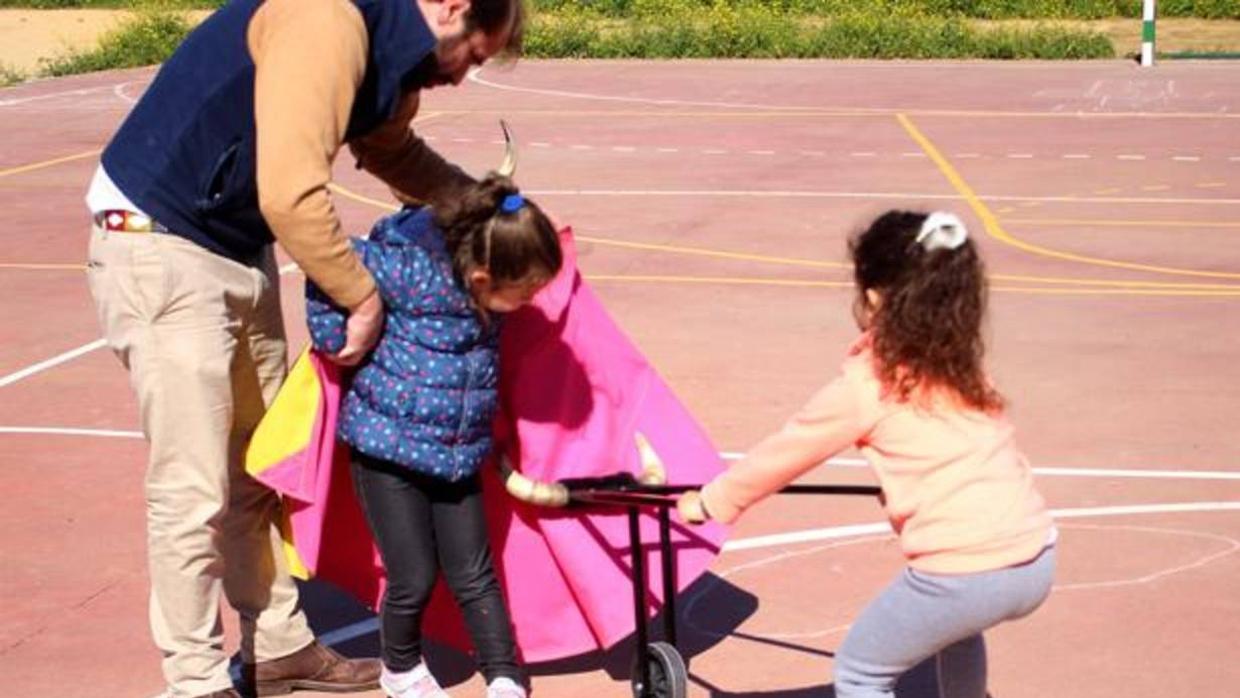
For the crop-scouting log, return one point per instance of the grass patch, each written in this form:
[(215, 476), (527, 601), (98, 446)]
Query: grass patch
[(147, 38), (979, 9), (112, 4), (10, 76), (763, 31)]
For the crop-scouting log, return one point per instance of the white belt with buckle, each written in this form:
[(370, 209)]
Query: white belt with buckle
[(121, 221)]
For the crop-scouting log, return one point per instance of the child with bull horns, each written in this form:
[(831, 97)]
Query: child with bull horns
[(418, 414)]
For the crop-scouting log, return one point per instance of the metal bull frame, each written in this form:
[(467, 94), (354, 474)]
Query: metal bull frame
[(659, 670)]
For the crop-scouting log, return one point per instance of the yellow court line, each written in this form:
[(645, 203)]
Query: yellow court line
[(725, 280), (703, 252), (348, 194), (1109, 223), (815, 264), (362, 199), (92, 153), (743, 281), (991, 223), (48, 163)]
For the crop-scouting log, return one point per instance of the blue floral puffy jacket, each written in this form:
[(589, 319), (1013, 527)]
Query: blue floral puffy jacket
[(426, 396)]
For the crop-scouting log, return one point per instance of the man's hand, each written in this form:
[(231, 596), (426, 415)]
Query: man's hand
[(362, 331), (690, 508)]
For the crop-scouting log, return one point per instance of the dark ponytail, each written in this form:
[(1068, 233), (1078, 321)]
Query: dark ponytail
[(514, 246), (928, 327)]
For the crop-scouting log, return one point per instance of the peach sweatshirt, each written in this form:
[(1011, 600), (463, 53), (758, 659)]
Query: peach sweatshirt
[(956, 490)]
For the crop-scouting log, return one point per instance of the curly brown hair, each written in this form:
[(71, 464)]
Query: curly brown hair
[(514, 247), (927, 326)]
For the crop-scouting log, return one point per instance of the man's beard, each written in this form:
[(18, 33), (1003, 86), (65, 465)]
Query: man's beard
[(425, 76)]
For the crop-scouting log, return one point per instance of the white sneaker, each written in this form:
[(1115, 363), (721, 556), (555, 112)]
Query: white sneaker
[(504, 687), (415, 683)]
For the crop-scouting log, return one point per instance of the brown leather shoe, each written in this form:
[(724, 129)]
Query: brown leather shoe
[(314, 667), (230, 693)]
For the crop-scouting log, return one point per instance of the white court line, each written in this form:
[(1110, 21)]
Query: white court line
[(52, 362), (475, 76), (1152, 474), (735, 455), (778, 194), (349, 632), (1136, 473), (84, 349), (54, 95), (119, 91), (65, 431), (1232, 546), (370, 625), (833, 532)]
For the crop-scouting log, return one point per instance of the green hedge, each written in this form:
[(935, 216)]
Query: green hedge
[(980, 9), (10, 76), (146, 38), (756, 32), (114, 4)]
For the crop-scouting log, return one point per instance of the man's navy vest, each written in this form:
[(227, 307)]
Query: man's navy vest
[(186, 153)]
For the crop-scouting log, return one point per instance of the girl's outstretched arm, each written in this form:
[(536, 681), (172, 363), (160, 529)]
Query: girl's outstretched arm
[(833, 419)]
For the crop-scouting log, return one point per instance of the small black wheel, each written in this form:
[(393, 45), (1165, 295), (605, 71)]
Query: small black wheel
[(668, 676)]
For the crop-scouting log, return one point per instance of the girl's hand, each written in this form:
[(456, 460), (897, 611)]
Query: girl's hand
[(690, 508)]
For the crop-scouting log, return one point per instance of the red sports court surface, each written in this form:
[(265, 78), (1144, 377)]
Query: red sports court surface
[(712, 201)]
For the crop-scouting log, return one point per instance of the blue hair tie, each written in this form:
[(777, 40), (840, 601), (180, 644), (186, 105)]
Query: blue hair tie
[(512, 203)]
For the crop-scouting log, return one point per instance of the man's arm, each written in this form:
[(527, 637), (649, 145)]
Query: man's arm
[(309, 56), (415, 172)]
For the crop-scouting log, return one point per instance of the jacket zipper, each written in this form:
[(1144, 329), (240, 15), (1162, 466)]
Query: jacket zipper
[(460, 427)]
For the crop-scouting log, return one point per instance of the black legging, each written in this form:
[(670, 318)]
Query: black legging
[(421, 524)]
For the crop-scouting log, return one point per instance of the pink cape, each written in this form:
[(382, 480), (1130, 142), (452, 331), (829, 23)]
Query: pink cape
[(576, 392)]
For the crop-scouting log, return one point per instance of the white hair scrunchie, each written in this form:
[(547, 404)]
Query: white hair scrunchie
[(942, 231)]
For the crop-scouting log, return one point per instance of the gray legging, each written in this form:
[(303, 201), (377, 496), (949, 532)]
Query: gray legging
[(921, 615)]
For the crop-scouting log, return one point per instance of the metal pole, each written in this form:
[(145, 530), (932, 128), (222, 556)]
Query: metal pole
[(669, 576), (639, 599), (1147, 33)]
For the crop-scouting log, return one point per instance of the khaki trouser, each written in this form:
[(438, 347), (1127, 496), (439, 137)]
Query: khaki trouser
[(203, 339)]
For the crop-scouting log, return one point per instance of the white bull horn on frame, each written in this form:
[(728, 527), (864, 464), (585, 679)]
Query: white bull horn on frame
[(653, 472), (508, 167), (530, 491), (555, 494)]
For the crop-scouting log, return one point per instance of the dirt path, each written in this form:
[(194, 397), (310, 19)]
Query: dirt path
[(28, 36)]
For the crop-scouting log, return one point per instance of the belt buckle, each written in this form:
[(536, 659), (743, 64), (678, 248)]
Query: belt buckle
[(121, 221)]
